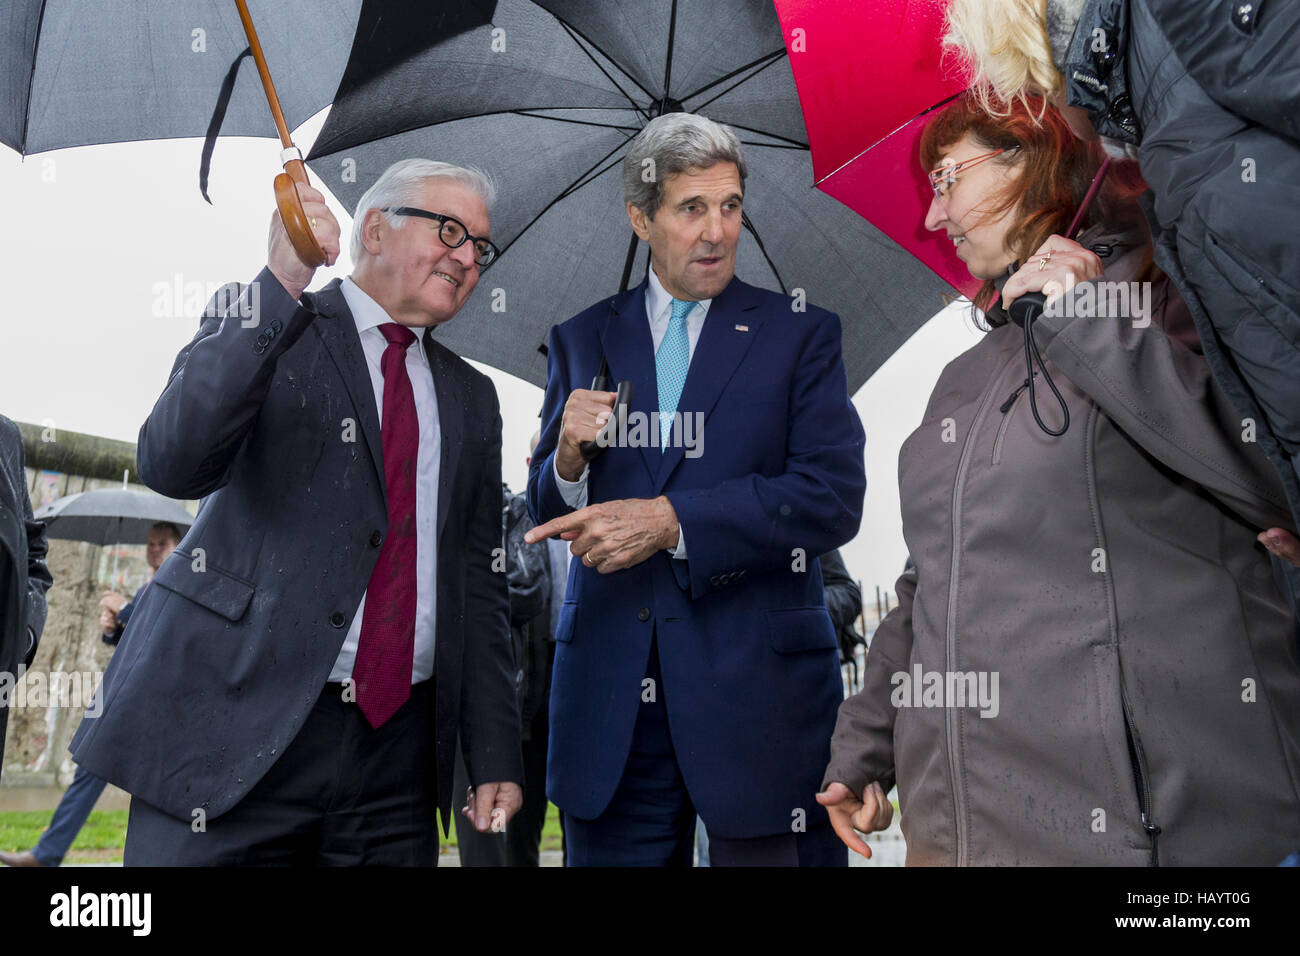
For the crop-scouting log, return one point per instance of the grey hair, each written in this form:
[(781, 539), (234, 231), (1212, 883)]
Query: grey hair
[(399, 185), (671, 144)]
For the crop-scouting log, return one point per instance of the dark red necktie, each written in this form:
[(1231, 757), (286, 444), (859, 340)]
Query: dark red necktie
[(386, 649)]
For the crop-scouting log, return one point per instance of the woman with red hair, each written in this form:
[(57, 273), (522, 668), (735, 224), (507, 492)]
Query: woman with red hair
[(1090, 663)]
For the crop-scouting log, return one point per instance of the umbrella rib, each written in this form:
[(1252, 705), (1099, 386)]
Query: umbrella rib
[(584, 178), (738, 82), (749, 224), (588, 177), (853, 159), (313, 155), (668, 60), (762, 132), (576, 36), (576, 122), (31, 79), (752, 142), (740, 69)]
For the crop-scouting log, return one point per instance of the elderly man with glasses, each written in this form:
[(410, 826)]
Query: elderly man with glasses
[(275, 700)]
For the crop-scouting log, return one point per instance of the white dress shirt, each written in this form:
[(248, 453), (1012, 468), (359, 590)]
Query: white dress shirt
[(369, 315), (659, 312)]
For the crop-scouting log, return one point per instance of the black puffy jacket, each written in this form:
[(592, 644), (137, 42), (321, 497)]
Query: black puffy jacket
[(1209, 92)]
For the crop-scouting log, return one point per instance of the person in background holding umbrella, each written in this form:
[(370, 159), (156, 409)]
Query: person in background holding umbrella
[(1130, 692), (24, 575), (114, 609), (1207, 97), (696, 666), (84, 790)]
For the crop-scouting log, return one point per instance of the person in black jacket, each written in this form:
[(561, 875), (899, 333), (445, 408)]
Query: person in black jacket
[(844, 603), (24, 575), (527, 571), (84, 790)]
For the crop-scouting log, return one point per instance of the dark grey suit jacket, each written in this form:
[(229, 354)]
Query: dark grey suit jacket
[(275, 426), (24, 577)]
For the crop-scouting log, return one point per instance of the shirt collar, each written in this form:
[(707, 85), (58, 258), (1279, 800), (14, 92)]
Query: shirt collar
[(660, 302), (366, 312)]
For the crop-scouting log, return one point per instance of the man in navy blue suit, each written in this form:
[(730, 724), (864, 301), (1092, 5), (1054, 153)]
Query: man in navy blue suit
[(696, 666)]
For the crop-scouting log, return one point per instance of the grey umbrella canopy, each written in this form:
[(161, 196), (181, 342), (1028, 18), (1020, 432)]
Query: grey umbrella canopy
[(545, 99), (77, 72), (111, 516)]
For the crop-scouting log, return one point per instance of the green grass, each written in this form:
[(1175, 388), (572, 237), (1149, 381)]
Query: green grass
[(101, 839)]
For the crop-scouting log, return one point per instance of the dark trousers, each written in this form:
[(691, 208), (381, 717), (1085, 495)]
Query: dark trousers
[(341, 794), (651, 820), (520, 845), (69, 817)]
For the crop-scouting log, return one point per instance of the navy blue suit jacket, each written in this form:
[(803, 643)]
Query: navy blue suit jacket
[(275, 427), (748, 654)]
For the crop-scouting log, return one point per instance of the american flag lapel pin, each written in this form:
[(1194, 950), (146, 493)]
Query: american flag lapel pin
[(742, 328)]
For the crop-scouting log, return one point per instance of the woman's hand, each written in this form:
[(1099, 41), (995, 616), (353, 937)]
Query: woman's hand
[(1282, 543), (848, 813), (1057, 266)]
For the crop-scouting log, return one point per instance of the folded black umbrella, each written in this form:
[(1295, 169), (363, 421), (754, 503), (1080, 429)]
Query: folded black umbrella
[(545, 99)]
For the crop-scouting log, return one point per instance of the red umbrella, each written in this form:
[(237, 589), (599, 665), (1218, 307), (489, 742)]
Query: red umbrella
[(868, 73)]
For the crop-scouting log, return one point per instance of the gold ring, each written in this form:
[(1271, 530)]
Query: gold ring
[(312, 221), (1042, 263)]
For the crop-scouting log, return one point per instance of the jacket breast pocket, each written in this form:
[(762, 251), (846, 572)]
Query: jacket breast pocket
[(794, 630), (565, 624), (209, 587)]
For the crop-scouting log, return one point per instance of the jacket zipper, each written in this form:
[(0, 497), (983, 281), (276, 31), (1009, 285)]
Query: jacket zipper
[(1006, 419), (950, 642), (1138, 759)]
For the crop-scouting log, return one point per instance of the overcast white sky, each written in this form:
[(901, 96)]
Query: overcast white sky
[(87, 234)]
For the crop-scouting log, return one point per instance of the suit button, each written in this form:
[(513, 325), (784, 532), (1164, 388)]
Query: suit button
[(376, 538), (337, 619), (643, 614), (713, 581)]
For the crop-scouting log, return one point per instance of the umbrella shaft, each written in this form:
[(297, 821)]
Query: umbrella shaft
[(267, 84)]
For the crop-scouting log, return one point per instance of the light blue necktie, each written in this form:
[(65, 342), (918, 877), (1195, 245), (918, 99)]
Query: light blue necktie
[(671, 362)]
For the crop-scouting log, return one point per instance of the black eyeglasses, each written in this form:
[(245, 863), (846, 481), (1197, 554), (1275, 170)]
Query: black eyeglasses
[(453, 233)]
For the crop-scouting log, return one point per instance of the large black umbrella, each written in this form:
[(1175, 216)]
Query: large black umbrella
[(546, 97), (111, 71)]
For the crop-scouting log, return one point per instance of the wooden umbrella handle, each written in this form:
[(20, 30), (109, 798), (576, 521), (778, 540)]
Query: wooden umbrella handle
[(295, 219)]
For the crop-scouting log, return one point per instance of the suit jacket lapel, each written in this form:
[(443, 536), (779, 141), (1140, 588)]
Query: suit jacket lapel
[(338, 331), (718, 352), (629, 349), (451, 392)]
